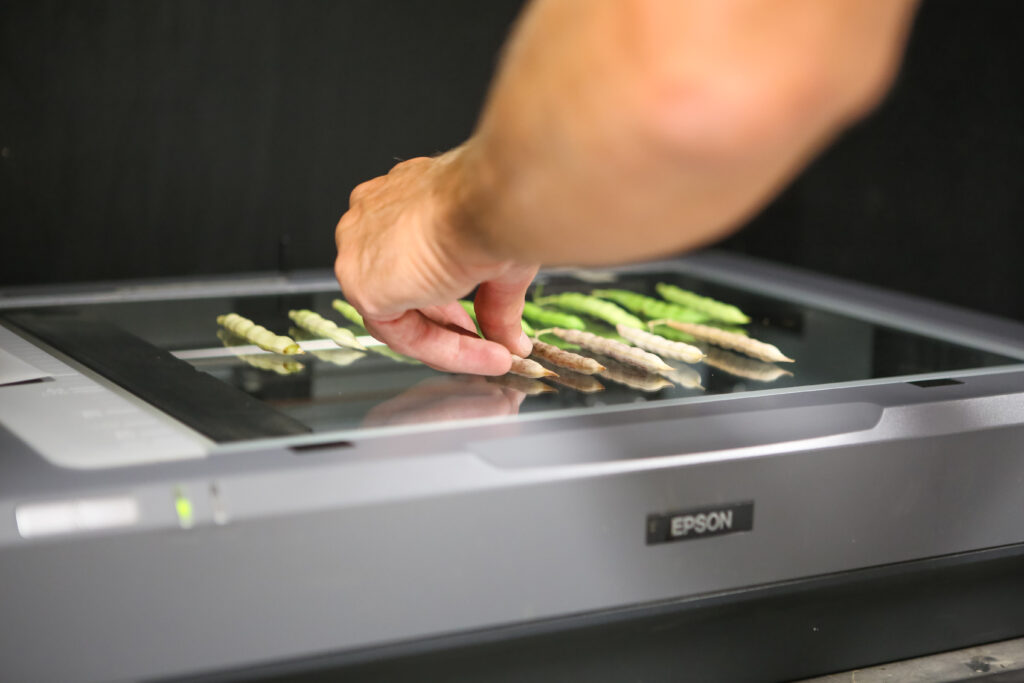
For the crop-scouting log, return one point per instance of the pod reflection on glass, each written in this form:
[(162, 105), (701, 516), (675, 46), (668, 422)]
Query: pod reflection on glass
[(260, 361)]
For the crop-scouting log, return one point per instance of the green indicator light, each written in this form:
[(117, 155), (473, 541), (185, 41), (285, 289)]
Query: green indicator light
[(183, 506)]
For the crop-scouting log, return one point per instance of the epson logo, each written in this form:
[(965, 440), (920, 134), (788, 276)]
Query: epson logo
[(700, 523)]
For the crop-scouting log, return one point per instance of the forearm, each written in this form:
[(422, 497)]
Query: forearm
[(618, 129)]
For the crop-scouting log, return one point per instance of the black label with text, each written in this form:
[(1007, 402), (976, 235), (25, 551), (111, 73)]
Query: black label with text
[(689, 525)]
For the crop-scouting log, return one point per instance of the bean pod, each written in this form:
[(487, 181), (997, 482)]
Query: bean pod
[(566, 359), (545, 317), (259, 335), (317, 324), (649, 306), (594, 307), (661, 346), (614, 349), (730, 340), (524, 367), (349, 311), (715, 310)]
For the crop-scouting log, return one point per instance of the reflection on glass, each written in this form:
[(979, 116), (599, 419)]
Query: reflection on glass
[(631, 376), (742, 366), (270, 362), (527, 386), (445, 398), (585, 384)]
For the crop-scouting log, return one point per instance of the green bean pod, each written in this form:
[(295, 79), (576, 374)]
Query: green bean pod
[(650, 307), (716, 310), (470, 308), (602, 330), (673, 334), (594, 307), (349, 311), (546, 317)]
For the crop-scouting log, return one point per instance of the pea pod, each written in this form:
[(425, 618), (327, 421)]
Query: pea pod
[(594, 307), (715, 310), (546, 317), (650, 307)]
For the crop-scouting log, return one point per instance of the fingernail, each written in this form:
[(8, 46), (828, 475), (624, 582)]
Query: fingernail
[(524, 345)]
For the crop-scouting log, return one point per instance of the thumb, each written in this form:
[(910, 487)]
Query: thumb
[(499, 308)]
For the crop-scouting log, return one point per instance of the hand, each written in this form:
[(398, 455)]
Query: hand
[(403, 264)]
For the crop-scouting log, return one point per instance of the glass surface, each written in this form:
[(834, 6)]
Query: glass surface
[(336, 390)]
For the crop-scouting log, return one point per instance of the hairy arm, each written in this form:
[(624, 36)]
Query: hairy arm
[(615, 130)]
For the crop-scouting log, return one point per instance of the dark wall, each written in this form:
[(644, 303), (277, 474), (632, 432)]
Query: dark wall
[(927, 195), (165, 138), (184, 137)]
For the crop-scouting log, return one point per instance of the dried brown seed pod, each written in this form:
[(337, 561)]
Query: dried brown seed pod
[(525, 367), (666, 348), (566, 359), (729, 340), (623, 353)]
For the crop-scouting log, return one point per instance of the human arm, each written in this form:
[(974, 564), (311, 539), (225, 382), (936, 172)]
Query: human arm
[(615, 130)]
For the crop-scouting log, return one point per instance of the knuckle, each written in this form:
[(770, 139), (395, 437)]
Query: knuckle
[(361, 190), (409, 163)]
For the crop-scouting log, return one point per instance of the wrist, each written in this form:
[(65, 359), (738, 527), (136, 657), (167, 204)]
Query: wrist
[(465, 193)]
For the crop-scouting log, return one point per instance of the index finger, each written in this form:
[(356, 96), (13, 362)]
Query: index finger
[(440, 346)]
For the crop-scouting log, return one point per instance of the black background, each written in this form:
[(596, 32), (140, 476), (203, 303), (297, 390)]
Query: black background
[(162, 138)]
